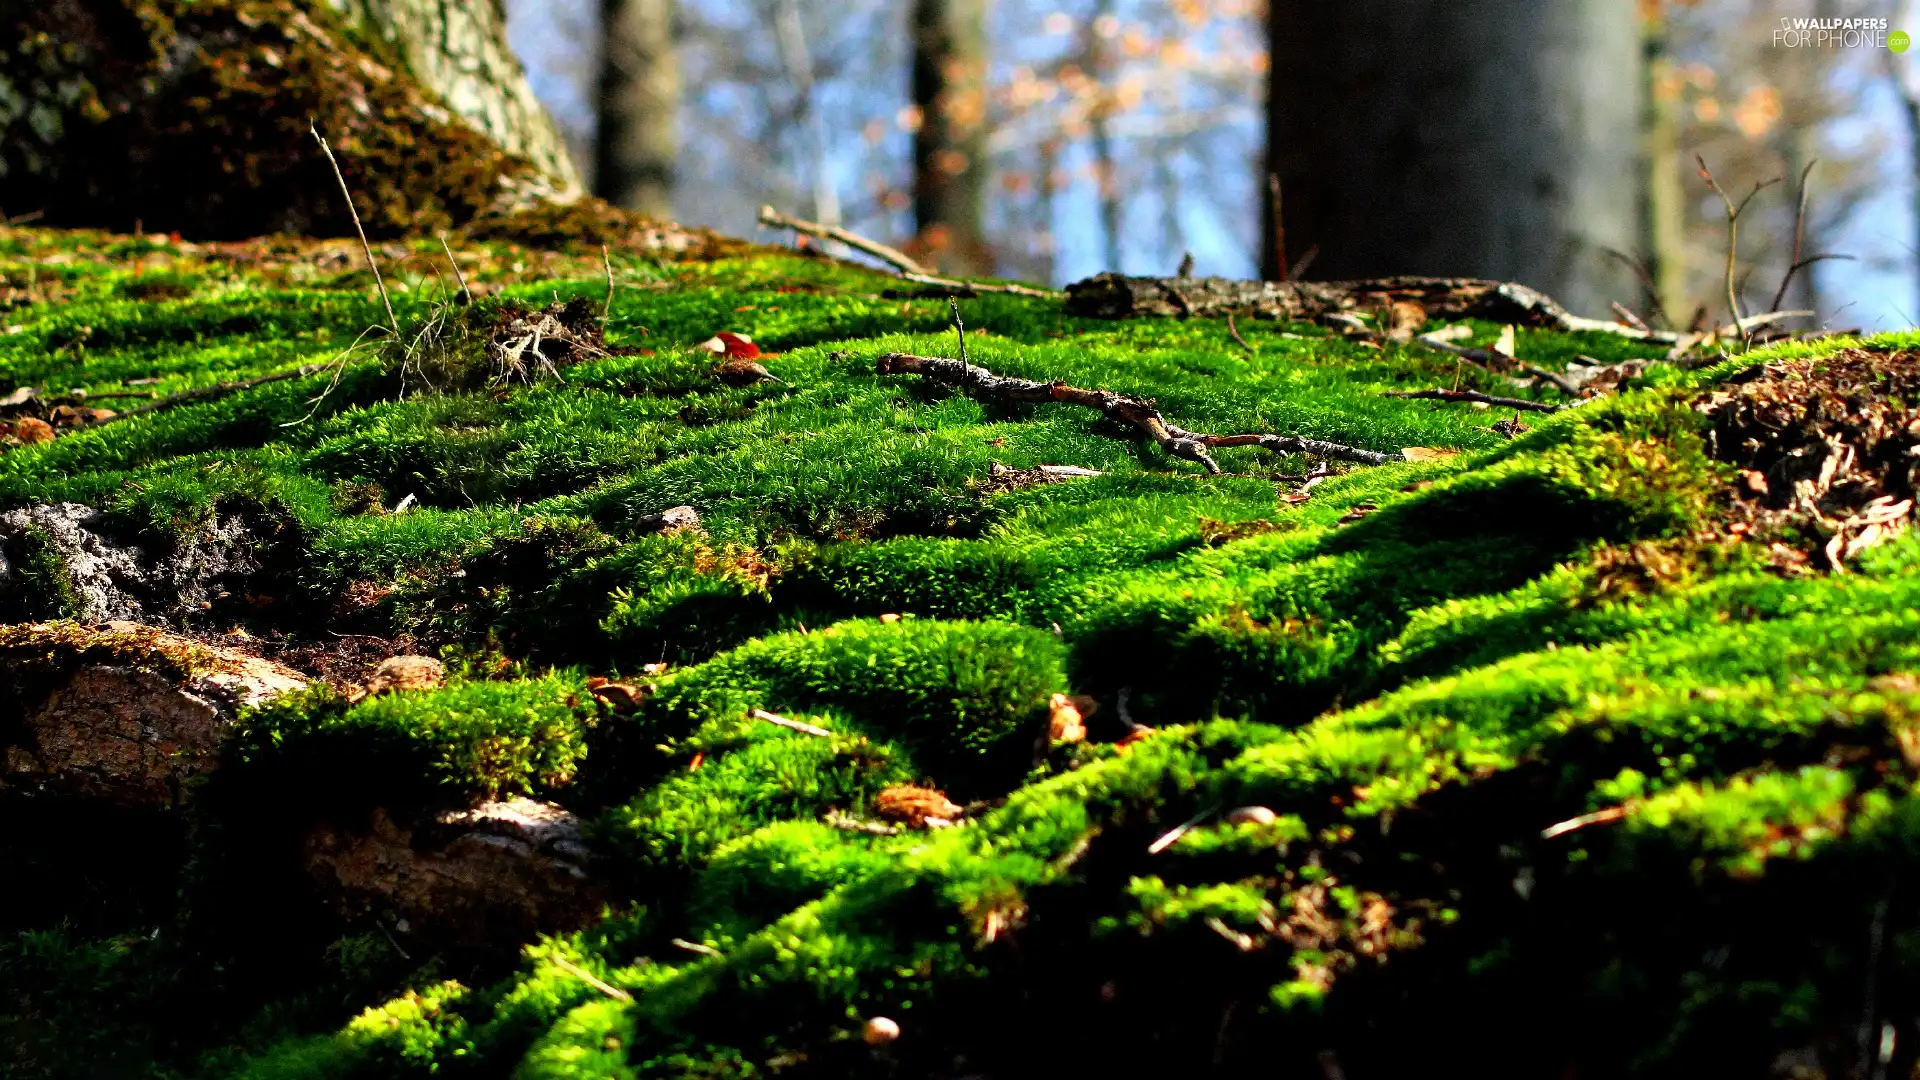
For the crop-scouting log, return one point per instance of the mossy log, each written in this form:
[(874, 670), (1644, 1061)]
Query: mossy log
[(1117, 296), (192, 116)]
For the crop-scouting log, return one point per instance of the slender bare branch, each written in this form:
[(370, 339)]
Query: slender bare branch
[(1733, 236), (393, 321), (894, 257)]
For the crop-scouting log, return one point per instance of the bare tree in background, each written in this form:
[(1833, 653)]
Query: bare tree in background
[(639, 105), (950, 165), (1906, 82), (1472, 137)]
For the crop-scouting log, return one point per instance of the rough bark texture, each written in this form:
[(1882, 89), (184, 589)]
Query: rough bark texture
[(950, 149), (193, 117), (492, 876), (639, 106), (458, 51), (131, 731), (1484, 138), (1115, 296)]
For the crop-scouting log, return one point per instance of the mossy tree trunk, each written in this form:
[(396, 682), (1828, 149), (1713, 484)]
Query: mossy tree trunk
[(458, 50), (950, 149), (639, 105), (1485, 138), (193, 115)]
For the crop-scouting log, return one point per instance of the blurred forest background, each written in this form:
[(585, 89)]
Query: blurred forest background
[(1086, 135)]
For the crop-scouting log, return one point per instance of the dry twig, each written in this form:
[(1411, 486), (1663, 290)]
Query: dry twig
[(1234, 332), (894, 257), (393, 321), (1477, 396), (217, 390), (1733, 236), (1134, 412), (800, 726), (590, 978)]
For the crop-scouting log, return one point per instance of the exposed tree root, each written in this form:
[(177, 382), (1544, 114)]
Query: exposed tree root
[(1133, 412)]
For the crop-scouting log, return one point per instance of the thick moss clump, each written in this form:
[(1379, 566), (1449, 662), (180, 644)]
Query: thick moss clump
[(1557, 750)]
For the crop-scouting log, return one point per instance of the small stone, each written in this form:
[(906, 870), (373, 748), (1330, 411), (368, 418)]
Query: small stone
[(880, 1031), (407, 673), (1250, 815)]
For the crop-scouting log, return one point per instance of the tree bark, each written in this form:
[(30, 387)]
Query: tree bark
[(458, 50), (950, 148), (1664, 198), (639, 105), (1483, 138), (193, 116)]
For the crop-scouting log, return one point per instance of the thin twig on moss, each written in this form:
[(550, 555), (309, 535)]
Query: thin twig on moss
[(800, 726), (590, 978), (1476, 396), (1139, 413), (1234, 332), (393, 321), (466, 293), (217, 390), (606, 258)]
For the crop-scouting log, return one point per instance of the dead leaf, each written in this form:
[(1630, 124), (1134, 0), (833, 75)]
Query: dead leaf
[(918, 807), (1066, 722), (1427, 453), (26, 431)]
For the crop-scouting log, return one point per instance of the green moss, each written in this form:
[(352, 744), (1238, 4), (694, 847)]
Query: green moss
[(1421, 669)]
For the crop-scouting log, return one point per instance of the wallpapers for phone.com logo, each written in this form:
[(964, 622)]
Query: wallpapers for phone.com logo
[(1795, 33)]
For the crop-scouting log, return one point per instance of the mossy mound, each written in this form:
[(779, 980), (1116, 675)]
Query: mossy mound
[(1531, 752)]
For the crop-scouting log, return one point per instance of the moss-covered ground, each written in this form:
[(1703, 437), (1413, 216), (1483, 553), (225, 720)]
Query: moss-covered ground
[(1417, 669)]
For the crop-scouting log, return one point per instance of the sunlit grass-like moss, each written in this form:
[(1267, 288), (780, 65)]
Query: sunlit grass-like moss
[(1535, 763)]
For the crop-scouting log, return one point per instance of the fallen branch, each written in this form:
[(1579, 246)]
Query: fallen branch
[(1134, 412), (800, 726), (1115, 296), (1172, 836), (1477, 396), (207, 393), (894, 257), (849, 823), (695, 947)]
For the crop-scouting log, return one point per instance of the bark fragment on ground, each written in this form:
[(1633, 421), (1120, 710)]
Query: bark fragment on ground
[(493, 876), (1827, 451), (122, 713)]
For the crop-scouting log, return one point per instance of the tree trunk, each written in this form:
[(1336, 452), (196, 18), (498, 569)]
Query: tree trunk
[(950, 148), (639, 105), (193, 116), (1484, 138), (458, 50), (1665, 211)]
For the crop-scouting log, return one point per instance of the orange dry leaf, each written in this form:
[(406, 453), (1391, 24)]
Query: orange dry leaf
[(1068, 719), (917, 807)]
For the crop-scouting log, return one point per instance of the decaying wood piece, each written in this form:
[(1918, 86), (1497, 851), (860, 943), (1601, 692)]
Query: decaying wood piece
[(1115, 296), (1134, 412)]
